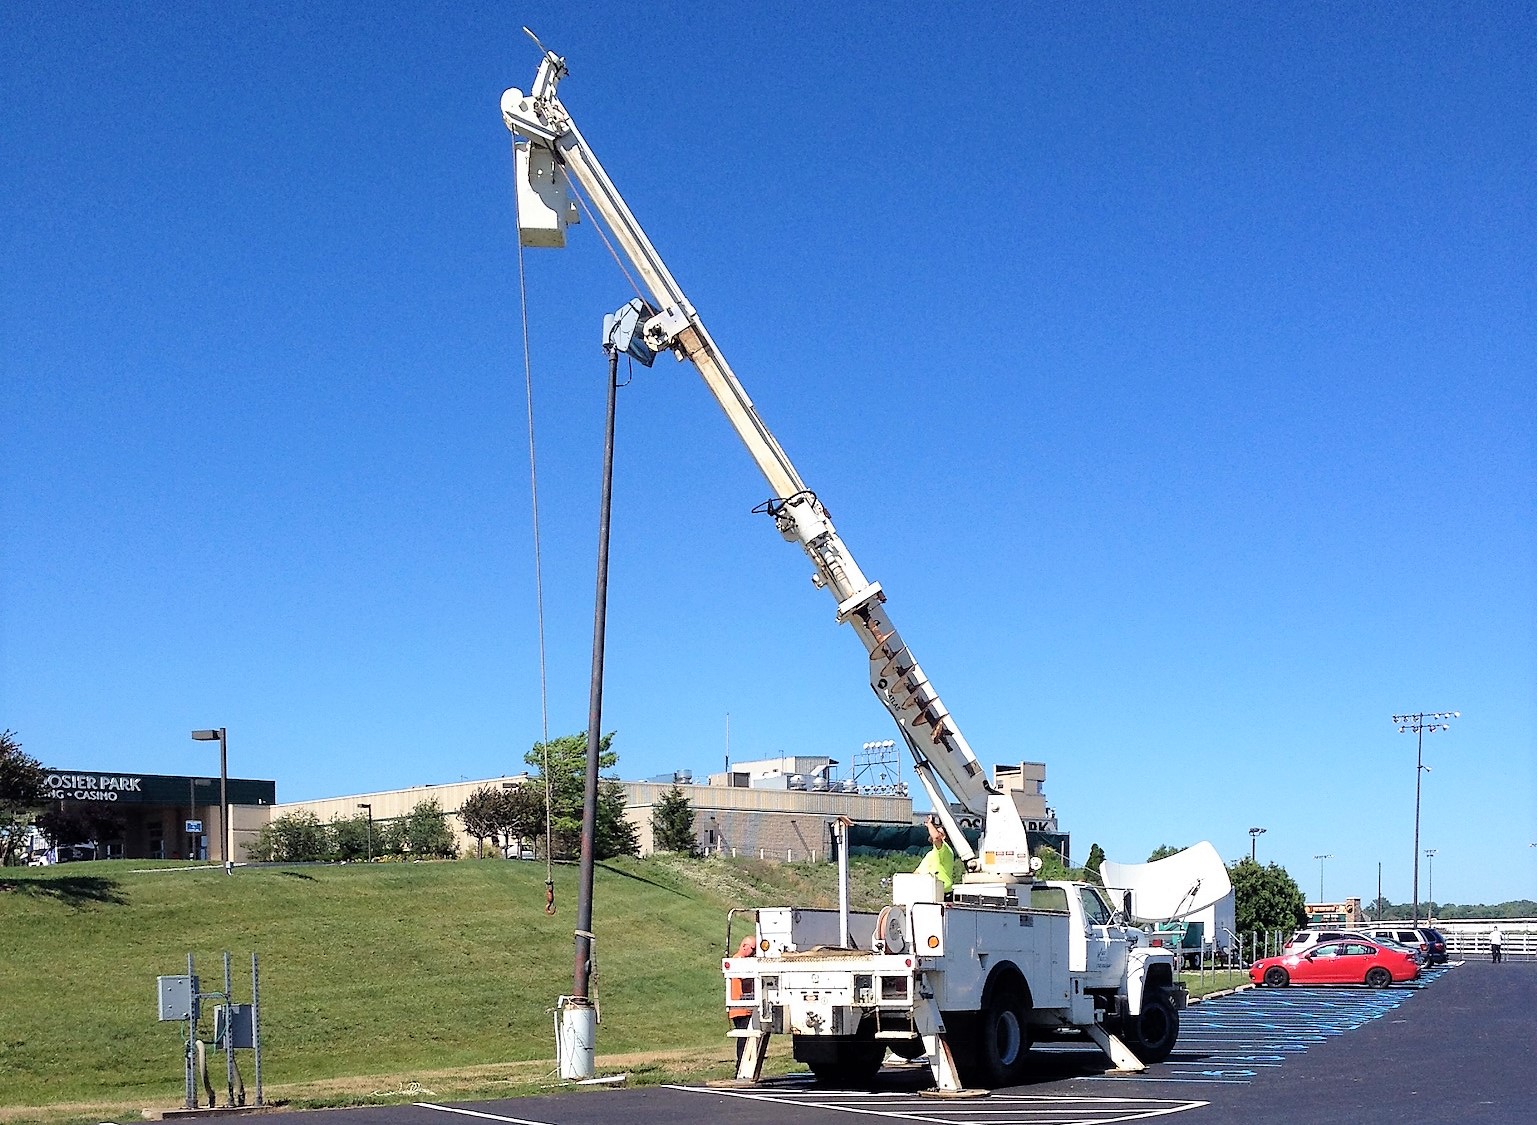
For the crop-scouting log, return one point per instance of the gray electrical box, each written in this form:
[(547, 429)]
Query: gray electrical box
[(234, 1021), (178, 997)]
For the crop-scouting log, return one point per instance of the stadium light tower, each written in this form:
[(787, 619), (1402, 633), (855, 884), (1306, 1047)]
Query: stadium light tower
[(1419, 725), (1254, 835), (1320, 859)]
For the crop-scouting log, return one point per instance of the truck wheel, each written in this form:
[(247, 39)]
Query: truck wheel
[(1002, 1037), (847, 1066), (1151, 1034)]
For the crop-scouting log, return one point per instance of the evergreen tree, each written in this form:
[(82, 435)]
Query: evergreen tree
[(1091, 868), (672, 824), (567, 777), (613, 833), (1163, 851)]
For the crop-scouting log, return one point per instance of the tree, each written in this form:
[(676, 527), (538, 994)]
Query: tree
[(425, 832), (350, 838), (1163, 851), (296, 837), (672, 824), (1091, 868), (567, 779), (1266, 898), (613, 833), (21, 792), (482, 816), (522, 815)]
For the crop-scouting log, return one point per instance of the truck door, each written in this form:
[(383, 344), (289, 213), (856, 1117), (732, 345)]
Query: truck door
[(1105, 951)]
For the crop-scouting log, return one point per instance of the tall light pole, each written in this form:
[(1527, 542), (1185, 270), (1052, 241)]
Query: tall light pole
[(1320, 859), (1254, 835), (1419, 724), (224, 828), (370, 808), (1430, 907)]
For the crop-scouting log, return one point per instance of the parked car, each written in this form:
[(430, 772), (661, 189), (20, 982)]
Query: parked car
[(1432, 949), (1437, 946), (1303, 940), (1352, 961)]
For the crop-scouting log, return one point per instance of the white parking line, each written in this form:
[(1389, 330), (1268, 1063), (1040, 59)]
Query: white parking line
[(999, 1109), (477, 1113)]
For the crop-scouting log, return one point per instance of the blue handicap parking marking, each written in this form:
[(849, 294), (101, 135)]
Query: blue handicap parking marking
[(1232, 1039)]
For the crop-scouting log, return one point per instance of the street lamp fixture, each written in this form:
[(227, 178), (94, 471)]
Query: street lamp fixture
[(1420, 724), (1430, 907), (1320, 859), (225, 835), (370, 808), (1254, 835)]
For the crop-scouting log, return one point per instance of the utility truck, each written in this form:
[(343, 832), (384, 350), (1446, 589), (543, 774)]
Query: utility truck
[(966, 980)]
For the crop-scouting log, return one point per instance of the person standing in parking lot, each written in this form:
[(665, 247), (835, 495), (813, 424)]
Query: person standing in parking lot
[(1494, 944)]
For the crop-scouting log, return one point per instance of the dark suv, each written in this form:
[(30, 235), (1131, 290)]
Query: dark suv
[(1437, 945)]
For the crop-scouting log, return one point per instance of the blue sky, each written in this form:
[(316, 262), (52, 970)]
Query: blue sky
[(1171, 366)]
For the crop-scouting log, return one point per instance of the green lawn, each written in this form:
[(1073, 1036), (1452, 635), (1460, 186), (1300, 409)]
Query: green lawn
[(381, 969), (373, 976)]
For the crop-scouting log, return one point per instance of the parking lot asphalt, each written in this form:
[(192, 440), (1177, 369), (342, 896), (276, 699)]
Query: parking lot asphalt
[(1463, 1049), (1460, 1045)]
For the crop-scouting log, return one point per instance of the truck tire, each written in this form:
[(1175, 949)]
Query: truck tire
[(844, 1064), (998, 1042), (1151, 1034)]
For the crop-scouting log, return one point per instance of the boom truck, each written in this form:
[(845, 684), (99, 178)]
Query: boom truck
[(968, 979)]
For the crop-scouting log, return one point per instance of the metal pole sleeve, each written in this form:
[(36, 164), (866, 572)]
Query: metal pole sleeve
[(583, 959)]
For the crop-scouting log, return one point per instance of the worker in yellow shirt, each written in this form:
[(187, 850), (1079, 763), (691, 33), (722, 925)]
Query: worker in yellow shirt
[(940, 862)]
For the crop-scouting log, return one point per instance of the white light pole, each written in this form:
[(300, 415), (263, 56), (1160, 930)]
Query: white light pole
[(1418, 724), (1254, 835), (1320, 859), (225, 835)]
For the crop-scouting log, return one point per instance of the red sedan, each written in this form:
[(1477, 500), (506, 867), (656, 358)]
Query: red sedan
[(1355, 961)]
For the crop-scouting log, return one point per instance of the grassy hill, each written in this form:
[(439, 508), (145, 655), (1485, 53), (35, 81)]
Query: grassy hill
[(373, 975)]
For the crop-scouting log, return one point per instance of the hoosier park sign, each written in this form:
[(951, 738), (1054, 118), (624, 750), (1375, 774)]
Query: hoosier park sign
[(93, 787)]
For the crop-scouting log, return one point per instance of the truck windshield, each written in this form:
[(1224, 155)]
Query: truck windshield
[(1095, 912)]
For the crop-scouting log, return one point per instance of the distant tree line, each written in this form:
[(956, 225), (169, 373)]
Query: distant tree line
[(1450, 911)]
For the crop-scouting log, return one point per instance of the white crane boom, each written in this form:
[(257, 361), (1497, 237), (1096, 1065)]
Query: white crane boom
[(549, 149)]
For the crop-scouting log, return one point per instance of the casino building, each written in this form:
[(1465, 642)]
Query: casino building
[(159, 816)]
